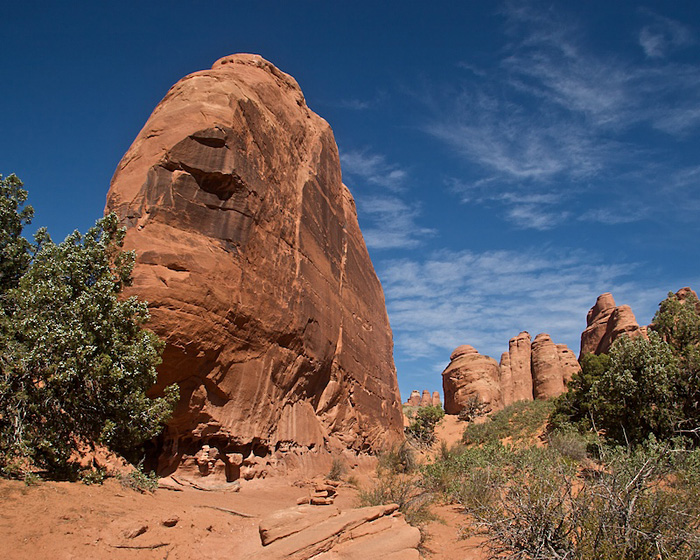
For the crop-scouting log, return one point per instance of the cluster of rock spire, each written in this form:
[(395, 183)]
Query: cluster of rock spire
[(424, 399), (538, 369)]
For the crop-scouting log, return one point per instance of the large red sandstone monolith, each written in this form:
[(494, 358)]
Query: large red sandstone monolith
[(469, 375), (547, 373), (256, 273), (436, 399)]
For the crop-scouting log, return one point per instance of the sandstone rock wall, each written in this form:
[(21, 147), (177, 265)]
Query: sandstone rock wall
[(520, 351), (547, 373), (256, 273)]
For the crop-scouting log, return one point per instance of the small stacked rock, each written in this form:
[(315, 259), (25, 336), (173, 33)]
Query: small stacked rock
[(323, 495)]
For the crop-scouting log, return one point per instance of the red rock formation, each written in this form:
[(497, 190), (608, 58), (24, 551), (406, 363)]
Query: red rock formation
[(568, 362), (256, 273), (683, 294), (305, 532), (541, 367), (547, 373), (423, 399), (605, 322), (470, 374), (414, 399), (506, 379), (520, 350)]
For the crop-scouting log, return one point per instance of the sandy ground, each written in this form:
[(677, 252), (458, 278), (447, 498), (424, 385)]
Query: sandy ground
[(60, 520)]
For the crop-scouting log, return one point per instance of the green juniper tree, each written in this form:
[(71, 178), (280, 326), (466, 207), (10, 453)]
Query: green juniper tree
[(75, 360)]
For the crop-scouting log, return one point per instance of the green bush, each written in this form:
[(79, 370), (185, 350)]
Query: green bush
[(520, 421), (532, 502), (422, 428), (140, 481), (337, 469), (75, 360), (473, 408), (569, 443), (401, 489), (398, 459)]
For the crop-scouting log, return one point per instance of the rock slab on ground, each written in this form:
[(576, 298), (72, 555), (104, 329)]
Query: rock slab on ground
[(304, 532)]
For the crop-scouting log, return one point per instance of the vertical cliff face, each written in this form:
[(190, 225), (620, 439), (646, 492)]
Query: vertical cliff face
[(520, 350), (547, 373), (256, 273)]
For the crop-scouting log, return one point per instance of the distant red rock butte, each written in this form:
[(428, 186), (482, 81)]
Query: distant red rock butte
[(423, 399)]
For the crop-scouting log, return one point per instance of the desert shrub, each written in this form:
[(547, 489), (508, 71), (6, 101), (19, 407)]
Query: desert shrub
[(401, 489), (526, 513), (93, 476), (473, 408), (398, 459), (575, 407), (678, 324), (638, 504), (337, 469), (569, 443), (422, 427), (140, 481), (463, 467), (522, 420)]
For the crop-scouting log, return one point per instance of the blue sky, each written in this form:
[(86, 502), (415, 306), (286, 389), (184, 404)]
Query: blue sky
[(510, 160)]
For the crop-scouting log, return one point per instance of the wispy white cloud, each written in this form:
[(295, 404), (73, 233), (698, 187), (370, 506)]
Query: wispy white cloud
[(558, 112), (353, 104), (484, 299), (392, 223), (389, 220), (526, 209), (613, 216), (663, 35), (372, 168)]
